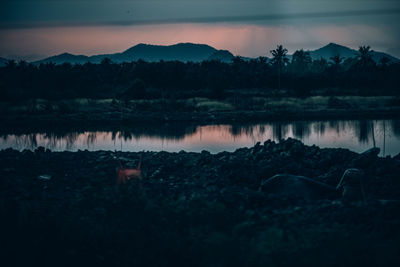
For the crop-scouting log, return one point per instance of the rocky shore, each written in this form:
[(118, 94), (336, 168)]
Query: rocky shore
[(197, 209)]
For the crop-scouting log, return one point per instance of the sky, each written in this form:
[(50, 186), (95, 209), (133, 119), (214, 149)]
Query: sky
[(33, 29)]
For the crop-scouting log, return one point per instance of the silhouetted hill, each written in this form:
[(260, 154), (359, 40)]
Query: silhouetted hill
[(181, 52), (3, 61), (222, 55), (65, 57), (194, 52), (333, 49)]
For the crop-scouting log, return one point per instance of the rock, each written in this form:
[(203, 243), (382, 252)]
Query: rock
[(155, 174), (351, 185), (372, 152), (44, 177), (40, 149), (365, 159), (287, 185)]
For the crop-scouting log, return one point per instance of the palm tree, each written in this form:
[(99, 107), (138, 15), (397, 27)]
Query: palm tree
[(364, 56), (106, 61), (301, 60), (319, 65), (336, 60), (279, 59)]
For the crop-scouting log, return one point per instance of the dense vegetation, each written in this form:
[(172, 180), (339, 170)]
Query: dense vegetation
[(300, 76)]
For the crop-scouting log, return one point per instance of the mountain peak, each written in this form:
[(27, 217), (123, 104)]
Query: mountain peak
[(66, 54), (331, 50), (334, 46), (180, 52)]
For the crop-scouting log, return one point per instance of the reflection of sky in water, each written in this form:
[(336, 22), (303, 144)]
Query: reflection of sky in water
[(354, 135)]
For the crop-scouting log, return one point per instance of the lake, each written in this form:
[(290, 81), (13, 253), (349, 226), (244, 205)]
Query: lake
[(356, 135)]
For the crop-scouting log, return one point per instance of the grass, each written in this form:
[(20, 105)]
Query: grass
[(214, 106), (255, 108)]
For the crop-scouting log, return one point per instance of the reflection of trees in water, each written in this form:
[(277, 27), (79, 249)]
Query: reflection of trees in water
[(255, 132), (364, 131), (301, 129), (51, 140), (169, 132), (319, 127), (238, 130), (91, 138), (334, 125), (395, 127), (279, 131), (54, 139), (258, 132), (261, 129), (28, 141), (342, 127)]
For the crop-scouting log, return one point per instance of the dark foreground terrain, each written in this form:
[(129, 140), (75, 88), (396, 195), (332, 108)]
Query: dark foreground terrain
[(195, 209)]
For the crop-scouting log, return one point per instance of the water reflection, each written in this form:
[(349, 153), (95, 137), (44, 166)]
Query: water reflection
[(355, 135)]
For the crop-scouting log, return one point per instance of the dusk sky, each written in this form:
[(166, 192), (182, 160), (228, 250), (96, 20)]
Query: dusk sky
[(32, 29)]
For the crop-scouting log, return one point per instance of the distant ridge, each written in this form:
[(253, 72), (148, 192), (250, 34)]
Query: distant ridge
[(333, 49), (194, 52), (181, 52), (66, 57), (3, 61), (222, 55)]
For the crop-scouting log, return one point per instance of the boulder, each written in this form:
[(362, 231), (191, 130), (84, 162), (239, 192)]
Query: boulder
[(365, 159), (351, 185), (287, 185)]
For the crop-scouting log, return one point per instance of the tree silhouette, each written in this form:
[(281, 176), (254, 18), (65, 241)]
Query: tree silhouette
[(279, 59), (106, 61), (301, 61), (336, 60), (364, 56), (319, 65), (211, 79), (11, 64), (383, 62)]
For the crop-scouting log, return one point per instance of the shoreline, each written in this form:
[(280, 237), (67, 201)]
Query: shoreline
[(200, 111), (113, 120)]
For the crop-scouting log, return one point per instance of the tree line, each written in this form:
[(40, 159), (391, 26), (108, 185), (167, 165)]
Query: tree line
[(299, 76)]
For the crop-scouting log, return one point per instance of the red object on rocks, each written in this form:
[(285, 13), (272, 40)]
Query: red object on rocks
[(124, 174)]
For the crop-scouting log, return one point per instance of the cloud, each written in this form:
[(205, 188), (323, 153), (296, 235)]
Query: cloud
[(211, 19)]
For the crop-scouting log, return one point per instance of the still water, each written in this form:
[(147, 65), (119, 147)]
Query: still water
[(355, 135)]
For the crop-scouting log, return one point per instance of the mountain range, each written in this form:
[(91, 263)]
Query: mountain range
[(152, 53), (332, 50), (191, 52)]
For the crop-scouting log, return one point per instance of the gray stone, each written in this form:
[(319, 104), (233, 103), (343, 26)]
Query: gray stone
[(287, 185)]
